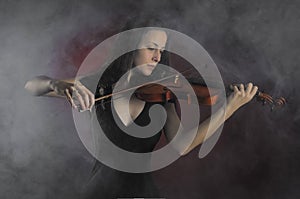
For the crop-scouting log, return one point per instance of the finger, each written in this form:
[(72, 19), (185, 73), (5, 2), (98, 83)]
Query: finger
[(254, 91), (88, 95), (87, 100), (69, 98), (79, 98), (235, 89), (83, 93), (237, 92), (249, 88), (92, 99), (242, 90)]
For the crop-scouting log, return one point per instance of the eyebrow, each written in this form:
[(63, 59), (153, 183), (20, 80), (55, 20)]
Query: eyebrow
[(158, 45)]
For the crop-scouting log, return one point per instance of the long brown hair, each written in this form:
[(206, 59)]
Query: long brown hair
[(125, 62)]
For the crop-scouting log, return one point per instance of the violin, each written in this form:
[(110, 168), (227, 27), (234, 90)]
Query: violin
[(157, 93)]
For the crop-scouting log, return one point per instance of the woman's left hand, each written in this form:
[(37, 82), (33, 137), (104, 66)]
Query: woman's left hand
[(240, 96)]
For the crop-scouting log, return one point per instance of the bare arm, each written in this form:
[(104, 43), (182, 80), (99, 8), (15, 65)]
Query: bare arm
[(238, 98), (76, 93)]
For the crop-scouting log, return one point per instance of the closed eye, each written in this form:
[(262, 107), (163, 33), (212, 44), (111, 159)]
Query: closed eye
[(149, 48)]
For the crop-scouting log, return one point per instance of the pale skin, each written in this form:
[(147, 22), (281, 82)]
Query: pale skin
[(148, 56)]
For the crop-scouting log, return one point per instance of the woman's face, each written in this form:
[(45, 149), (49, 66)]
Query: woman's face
[(150, 49)]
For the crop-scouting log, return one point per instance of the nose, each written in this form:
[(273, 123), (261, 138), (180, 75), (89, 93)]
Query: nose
[(156, 56)]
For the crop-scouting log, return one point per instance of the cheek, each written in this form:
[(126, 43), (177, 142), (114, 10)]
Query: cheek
[(142, 57), (137, 59)]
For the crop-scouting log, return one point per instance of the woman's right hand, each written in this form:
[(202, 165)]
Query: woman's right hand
[(77, 94)]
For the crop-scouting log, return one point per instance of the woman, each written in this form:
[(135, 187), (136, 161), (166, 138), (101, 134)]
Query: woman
[(107, 182)]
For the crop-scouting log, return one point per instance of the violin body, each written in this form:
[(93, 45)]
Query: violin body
[(159, 93)]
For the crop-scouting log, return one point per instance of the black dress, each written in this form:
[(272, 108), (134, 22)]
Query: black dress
[(110, 183)]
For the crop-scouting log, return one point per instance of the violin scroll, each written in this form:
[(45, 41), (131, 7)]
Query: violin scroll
[(266, 99)]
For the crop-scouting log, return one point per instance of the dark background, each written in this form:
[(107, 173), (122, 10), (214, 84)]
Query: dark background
[(257, 155)]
